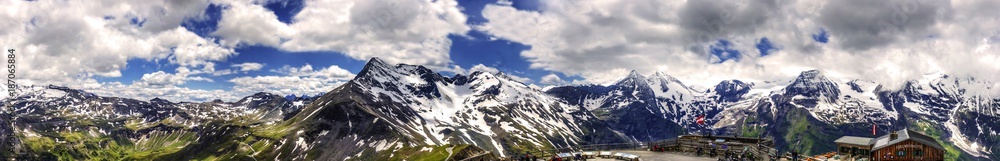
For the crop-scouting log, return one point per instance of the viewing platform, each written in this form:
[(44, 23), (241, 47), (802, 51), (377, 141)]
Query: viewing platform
[(685, 147)]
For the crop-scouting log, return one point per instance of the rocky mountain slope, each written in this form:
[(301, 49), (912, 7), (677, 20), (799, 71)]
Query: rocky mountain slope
[(805, 114), (50, 122), (387, 112), (814, 110), (399, 111), (390, 108)]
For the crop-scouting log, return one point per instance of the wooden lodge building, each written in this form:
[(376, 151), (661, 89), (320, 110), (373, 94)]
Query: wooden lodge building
[(898, 145), (854, 147)]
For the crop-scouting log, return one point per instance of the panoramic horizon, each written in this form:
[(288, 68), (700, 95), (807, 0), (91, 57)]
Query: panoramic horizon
[(764, 86), (500, 80)]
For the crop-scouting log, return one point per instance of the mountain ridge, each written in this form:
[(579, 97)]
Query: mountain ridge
[(389, 110)]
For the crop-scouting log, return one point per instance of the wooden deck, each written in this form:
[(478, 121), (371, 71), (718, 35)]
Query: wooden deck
[(759, 149)]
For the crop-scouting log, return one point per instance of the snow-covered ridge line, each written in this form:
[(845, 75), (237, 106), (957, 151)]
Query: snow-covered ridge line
[(489, 110)]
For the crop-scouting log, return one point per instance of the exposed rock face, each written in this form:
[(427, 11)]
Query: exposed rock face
[(398, 111)]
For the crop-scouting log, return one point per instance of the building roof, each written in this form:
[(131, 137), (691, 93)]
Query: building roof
[(854, 140), (903, 135)]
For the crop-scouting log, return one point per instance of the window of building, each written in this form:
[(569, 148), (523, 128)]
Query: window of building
[(918, 153), (900, 153)]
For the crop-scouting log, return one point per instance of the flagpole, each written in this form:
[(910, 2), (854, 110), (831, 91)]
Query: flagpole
[(873, 130)]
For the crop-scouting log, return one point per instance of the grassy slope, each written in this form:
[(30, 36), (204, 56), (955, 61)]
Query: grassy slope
[(812, 139), (81, 145), (752, 131), (227, 142), (935, 131), (419, 153)]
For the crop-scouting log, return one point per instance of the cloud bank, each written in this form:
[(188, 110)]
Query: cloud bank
[(886, 41), (700, 42)]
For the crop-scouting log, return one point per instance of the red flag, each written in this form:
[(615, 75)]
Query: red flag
[(701, 120), (873, 130)]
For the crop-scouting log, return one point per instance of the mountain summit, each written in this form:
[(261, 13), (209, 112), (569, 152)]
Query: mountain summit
[(813, 83), (409, 112), (410, 107), (731, 90)]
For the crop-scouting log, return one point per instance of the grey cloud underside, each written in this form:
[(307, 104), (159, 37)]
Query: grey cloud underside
[(862, 24), (709, 20), (886, 41)]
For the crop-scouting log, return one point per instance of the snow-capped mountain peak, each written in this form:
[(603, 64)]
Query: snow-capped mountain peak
[(390, 106), (489, 110), (632, 77), (633, 87), (814, 84), (666, 86), (660, 74), (730, 90), (662, 78)]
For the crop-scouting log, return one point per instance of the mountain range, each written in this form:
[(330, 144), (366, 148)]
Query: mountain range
[(399, 111)]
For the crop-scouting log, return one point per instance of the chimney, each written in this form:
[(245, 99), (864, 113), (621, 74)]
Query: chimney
[(893, 136)]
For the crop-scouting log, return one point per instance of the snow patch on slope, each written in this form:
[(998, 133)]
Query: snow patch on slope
[(972, 148)]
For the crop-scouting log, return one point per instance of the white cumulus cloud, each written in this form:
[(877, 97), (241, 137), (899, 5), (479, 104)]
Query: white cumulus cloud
[(552, 79), (294, 80), (245, 67), (160, 84), (60, 41), (412, 32), (885, 41)]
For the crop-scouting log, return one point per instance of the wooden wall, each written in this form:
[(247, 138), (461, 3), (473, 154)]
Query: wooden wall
[(909, 146)]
